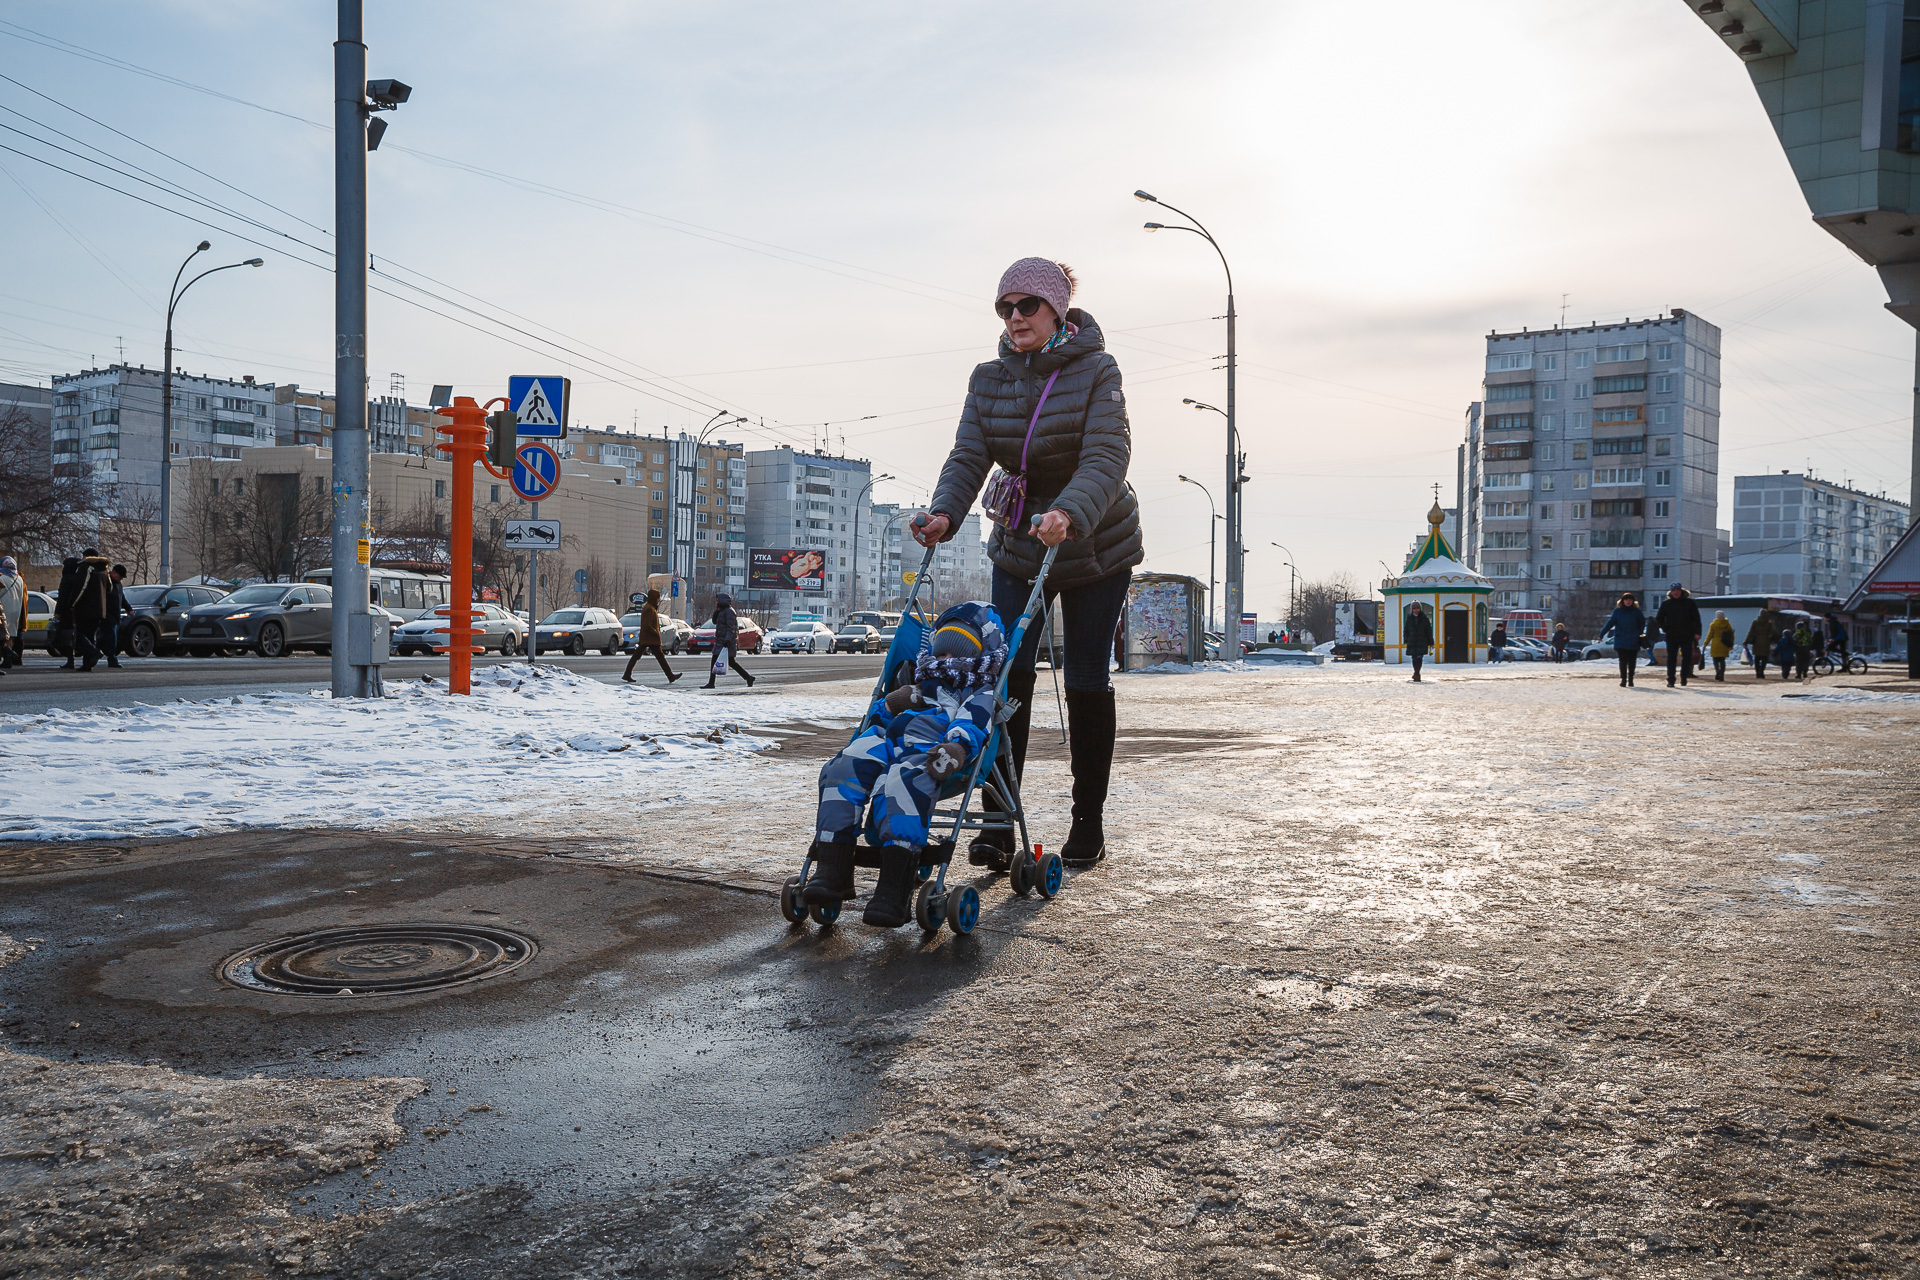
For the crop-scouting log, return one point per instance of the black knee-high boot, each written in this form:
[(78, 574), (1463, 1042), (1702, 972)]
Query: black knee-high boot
[(995, 849), (1090, 733)]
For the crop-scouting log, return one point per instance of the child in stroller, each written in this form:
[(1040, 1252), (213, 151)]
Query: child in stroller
[(914, 739)]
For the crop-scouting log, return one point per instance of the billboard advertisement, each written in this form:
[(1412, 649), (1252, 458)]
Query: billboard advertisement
[(795, 569)]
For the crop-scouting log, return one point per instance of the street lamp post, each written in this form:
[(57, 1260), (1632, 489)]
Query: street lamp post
[(1236, 461), (689, 466), (1292, 577), (1213, 519), (853, 579), (177, 292)]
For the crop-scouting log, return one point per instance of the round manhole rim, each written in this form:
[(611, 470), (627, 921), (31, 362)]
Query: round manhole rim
[(242, 968)]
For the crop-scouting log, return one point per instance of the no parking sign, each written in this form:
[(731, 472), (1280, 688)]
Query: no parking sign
[(536, 471)]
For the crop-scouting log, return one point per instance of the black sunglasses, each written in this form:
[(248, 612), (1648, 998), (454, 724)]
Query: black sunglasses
[(1026, 307)]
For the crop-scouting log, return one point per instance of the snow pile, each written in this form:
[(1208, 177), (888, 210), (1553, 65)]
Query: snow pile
[(532, 740), (1195, 668), (1856, 695)]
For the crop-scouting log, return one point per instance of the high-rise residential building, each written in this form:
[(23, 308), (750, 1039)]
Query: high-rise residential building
[(961, 569), (806, 500), (1797, 535), (107, 421), (302, 417), (1593, 463), (697, 500)]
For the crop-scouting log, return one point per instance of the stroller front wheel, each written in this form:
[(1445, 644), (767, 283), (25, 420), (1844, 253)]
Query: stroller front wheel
[(791, 907), (1022, 873), (963, 909), (929, 907), (1049, 874), (824, 913)]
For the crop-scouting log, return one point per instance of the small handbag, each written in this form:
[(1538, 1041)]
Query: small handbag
[(1005, 499)]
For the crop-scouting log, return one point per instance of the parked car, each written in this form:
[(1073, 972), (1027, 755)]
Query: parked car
[(857, 637), (1527, 649), (673, 633), (1594, 649), (157, 614), (39, 632), (271, 618), (503, 632), (750, 638), (886, 636), (575, 631), (802, 637)]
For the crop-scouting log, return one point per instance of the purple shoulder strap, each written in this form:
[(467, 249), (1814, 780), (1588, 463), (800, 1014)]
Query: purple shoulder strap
[(1028, 442)]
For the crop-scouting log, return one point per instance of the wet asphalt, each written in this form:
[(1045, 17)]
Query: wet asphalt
[(663, 1031)]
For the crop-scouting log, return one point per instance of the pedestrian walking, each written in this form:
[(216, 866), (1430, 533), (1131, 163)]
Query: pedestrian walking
[(1719, 643), (726, 641), (90, 609), (60, 638), (1049, 411), (1626, 624), (650, 640), (1783, 650), (1679, 621), (13, 612), (107, 634), (1497, 642), (1419, 638), (1802, 649), (1762, 632), (1561, 639)]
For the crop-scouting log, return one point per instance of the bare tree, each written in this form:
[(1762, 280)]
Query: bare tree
[(280, 523), (418, 534), (131, 535), (45, 509), (202, 524), (1314, 603)]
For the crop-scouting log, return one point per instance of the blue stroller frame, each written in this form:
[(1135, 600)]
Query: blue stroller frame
[(991, 771)]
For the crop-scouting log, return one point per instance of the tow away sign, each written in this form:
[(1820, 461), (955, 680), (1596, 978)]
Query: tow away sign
[(533, 533), (540, 402)]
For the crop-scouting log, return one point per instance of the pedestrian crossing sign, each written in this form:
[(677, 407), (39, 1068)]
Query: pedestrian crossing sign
[(539, 401)]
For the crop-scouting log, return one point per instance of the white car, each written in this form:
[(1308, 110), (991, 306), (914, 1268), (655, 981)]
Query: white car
[(503, 632), (802, 637)]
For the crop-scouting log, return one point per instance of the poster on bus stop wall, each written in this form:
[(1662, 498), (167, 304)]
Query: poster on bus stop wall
[(791, 569)]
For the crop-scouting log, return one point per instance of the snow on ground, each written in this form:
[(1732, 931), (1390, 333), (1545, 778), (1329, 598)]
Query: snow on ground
[(528, 741)]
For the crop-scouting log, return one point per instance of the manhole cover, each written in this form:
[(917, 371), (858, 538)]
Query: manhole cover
[(377, 960)]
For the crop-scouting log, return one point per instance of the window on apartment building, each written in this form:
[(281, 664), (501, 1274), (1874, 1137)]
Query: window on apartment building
[(1663, 384), (1624, 444), (1663, 477), (493, 493), (1613, 569), (1546, 542), (1579, 480), (1576, 422), (1661, 416), (1512, 391), (1617, 537), (1510, 361), (1620, 384), (1546, 422), (1663, 351), (1510, 480), (1663, 447), (1621, 353), (1631, 413), (1617, 507), (439, 488), (1616, 475), (1662, 508), (1545, 482), (1577, 451), (1546, 571), (1581, 390), (1546, 511), (1506, 541), (1660, 569), (1510, 422), (1660, 540), (1577, 511), (1549, 363), (1576, 542), (1508, 452), (1581, 359), (1546, 453)]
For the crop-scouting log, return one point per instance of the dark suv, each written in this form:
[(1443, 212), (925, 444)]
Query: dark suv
[(271, 618), (157, 611)]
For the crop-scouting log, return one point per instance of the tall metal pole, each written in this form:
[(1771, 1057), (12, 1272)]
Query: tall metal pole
[(351, 509), (1213, 519), (1913, 481), (166, 425)]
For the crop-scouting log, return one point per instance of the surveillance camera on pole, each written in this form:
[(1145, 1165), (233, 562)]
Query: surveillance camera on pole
[(383, 95)]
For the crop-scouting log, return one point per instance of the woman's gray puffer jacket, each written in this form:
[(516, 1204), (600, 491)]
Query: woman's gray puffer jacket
[(1077, 462)]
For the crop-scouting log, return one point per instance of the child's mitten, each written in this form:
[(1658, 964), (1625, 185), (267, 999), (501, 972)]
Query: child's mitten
[(945, 760)]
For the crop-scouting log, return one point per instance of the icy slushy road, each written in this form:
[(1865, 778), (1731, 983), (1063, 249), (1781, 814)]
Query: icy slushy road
[(1510, 971)]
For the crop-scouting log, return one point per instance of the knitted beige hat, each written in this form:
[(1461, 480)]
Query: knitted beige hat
[(1041, 278)]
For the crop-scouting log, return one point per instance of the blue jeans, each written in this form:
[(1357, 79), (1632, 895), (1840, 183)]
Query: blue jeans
[(1089, 612)]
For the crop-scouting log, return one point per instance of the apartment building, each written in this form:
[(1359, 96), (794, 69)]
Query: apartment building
[(1795, 534), (107, 422), (1592, 463), (806, 500), (961, 569)]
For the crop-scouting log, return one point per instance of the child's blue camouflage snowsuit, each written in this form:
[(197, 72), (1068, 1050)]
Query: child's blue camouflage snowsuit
[(896, 746)]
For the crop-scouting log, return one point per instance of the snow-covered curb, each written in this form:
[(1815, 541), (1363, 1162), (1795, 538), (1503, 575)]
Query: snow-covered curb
[(528, 742)]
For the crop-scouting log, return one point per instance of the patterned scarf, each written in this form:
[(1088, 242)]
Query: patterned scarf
[(961, 673), (1064, 334)]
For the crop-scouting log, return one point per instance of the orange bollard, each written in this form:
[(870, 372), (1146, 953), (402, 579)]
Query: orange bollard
[(469, 443)]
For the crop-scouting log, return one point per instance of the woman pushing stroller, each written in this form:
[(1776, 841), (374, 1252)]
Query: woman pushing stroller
[(916, 737)]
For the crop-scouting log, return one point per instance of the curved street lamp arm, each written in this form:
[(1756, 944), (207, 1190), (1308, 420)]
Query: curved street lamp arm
[(250, 262), (1199, 229), (173, 295)]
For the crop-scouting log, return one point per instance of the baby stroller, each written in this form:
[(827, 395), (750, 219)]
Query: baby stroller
[(957, 809)]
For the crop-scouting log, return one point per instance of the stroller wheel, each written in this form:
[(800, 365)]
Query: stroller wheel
[(1021, 873), (1048, 875), (923, 873), (929, 907), (963, 909), (790, 905), (824, 914)]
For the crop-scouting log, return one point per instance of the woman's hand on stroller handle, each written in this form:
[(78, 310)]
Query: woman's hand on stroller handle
[(1052, 528), (929, 528)]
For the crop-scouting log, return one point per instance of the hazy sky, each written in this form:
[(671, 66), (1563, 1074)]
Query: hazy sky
[(800, 212)]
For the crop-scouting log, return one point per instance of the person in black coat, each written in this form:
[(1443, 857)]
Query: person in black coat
[(106, 635), (1419, 637), (1625, 624), (1050, 412), (726, 640), (65, 596), (1679, 621)]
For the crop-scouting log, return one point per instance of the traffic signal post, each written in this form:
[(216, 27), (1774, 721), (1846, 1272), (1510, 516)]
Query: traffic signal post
[(467, 426)]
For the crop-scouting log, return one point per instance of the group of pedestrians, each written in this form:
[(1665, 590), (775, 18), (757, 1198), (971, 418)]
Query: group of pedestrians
[(726, 641), (1791, 647), (87, 609), (1677, 621)]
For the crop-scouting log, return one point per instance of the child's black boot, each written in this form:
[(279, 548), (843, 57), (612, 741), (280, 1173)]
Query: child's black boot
[(892, 902), (832, 880)]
